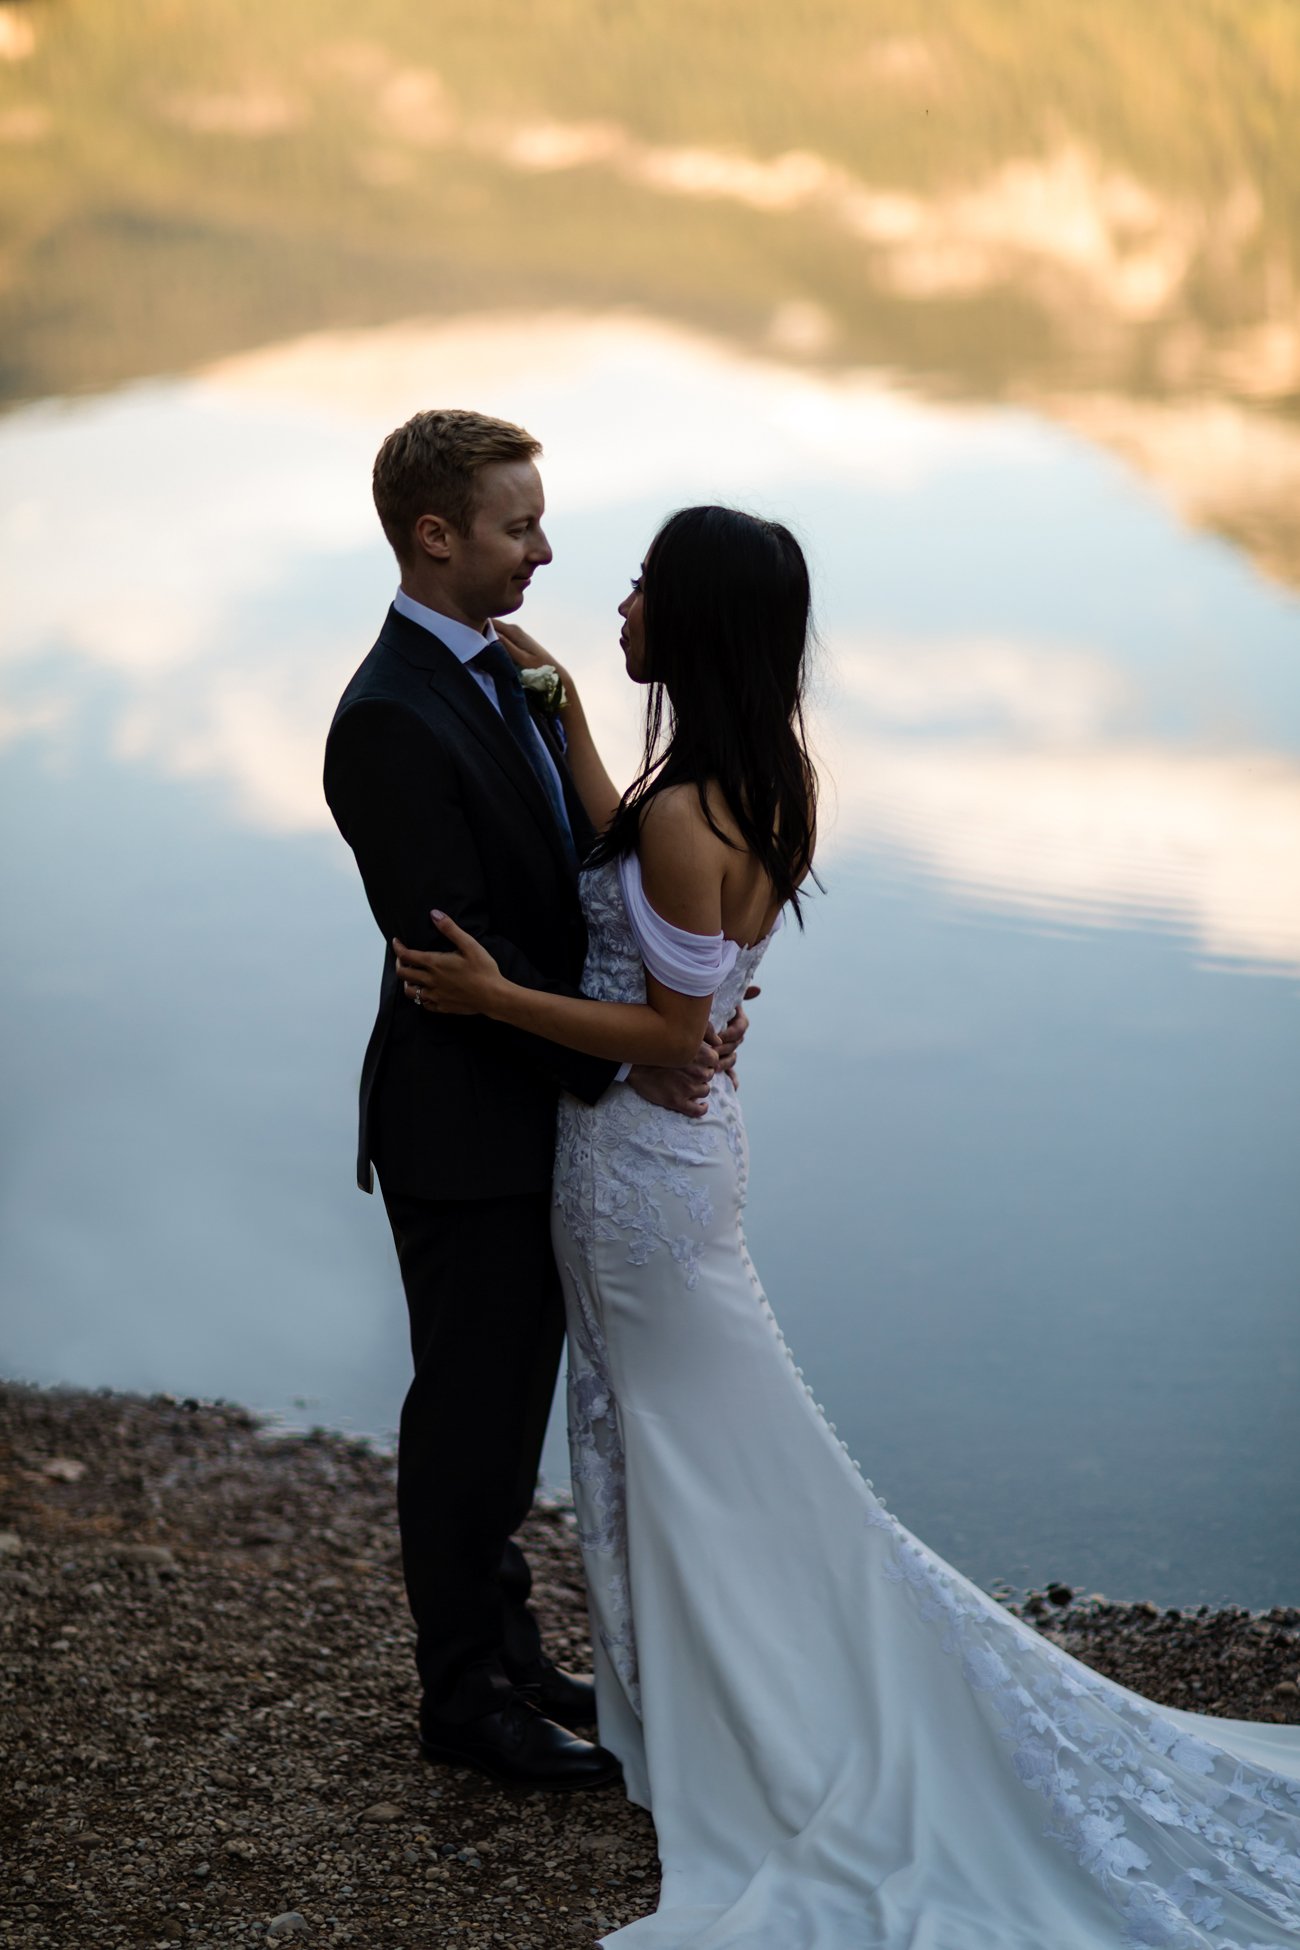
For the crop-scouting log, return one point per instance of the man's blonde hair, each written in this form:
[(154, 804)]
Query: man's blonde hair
[(430, 466)]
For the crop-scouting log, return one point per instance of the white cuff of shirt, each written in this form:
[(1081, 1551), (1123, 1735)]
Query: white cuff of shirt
[(623, 1072)]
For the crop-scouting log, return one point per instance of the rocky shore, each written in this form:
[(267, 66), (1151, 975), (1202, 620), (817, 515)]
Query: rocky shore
[(206, 1700)]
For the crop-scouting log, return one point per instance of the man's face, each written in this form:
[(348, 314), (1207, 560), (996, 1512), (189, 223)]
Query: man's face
[(487, 572)]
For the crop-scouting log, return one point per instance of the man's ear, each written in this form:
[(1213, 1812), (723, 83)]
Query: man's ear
[(433, 537)]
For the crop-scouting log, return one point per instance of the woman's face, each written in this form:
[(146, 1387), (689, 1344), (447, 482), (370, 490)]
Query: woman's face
[(632, 635)]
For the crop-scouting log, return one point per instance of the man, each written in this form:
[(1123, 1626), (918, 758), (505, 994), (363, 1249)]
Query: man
[(453, 795)]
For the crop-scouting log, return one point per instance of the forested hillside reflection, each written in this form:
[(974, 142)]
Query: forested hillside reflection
[(1091, 210)]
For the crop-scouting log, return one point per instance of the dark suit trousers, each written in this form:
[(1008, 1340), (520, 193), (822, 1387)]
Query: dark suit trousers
[(487, 1327)]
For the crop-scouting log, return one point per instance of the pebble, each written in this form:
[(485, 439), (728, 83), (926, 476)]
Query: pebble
[(383, 1811), (63, 1469), (290, 1922), (11, 1544), (157, 1555)]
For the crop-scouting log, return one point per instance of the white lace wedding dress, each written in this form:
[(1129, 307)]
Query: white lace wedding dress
[(845, 1745)]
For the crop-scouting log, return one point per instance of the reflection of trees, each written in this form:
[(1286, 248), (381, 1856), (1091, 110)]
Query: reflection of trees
[(1012, 202)]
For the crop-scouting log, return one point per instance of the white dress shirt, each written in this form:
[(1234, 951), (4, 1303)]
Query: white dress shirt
[(465, 642)]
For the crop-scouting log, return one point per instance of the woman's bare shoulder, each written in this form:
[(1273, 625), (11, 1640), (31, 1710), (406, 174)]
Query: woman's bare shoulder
[(681, 861), (677, 817), (674, 817)]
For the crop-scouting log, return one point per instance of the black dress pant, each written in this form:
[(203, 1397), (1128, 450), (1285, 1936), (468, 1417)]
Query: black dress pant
[(487, 1327)]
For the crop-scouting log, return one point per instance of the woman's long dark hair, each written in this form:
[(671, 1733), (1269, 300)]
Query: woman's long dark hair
[(727, 613)]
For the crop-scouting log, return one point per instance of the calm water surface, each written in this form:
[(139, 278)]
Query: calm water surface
[(1023, 1100)]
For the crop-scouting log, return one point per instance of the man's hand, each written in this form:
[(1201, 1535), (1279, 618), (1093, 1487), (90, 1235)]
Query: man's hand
[(728, 1043), (685, 1090)]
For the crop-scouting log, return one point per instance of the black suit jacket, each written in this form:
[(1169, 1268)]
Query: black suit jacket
[(442, 809)]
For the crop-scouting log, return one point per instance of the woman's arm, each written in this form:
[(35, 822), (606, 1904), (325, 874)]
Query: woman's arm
[(597, 791), (683, 861)]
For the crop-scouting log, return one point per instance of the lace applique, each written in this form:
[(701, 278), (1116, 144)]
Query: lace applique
[(1107, 1762), (600, 1501), (646, 1155)]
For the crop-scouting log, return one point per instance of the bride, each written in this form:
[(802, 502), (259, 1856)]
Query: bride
[(844, 1744)]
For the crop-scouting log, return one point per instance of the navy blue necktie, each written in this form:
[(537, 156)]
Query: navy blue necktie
[(495, 661)]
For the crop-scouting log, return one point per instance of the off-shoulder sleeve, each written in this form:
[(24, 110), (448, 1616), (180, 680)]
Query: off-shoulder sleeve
[(689, 964)]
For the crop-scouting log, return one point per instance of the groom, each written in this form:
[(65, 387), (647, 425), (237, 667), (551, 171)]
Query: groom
[(453, 793)]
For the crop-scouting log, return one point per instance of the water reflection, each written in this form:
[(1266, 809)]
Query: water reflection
[(1025, 1141), (180, 1209), (997, 205), (1019, 1209), (1020, 770)]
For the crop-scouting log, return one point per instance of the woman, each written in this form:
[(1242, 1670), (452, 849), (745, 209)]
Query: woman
[(844, 1744)]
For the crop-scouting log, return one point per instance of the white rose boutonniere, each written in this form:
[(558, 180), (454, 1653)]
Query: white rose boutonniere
[(547, 686)]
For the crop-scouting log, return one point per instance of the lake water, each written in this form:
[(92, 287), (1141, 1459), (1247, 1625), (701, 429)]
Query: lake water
[(1023, 1100)]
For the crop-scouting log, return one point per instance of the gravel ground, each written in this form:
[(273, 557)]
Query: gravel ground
[(207, 1700)]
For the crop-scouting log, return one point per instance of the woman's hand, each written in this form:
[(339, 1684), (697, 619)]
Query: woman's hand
[(527, 652), (459, 984)]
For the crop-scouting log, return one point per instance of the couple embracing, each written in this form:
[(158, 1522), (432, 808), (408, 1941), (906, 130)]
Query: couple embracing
[(844, 1745)]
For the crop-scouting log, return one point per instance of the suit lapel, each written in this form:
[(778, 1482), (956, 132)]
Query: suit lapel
[(452, 683), (579, 824)]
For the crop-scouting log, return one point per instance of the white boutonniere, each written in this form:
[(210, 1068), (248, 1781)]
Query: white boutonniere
[(547, 686)]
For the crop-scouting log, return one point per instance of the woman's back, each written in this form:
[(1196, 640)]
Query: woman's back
[(691, 860)]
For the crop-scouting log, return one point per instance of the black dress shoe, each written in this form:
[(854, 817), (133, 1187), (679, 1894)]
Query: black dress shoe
[(518, 1746), (562, 1697)]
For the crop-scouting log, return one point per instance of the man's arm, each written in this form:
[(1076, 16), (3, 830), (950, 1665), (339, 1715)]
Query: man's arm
[(687, 1090), (394, 805)]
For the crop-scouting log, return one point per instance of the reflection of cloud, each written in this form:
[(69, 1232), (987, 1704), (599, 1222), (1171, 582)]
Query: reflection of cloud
[(1260, 361), (269, 458), (262, 735), (977, 683), (1031, 807), (593, 388), (907, 61), (1067, 212), (1089, 226), (1008, 768), (802, 328), (253, 112), (1065, 221), (26, 122), (1206, 843), (1222, 466), (539, 147), (218, 501), (17, 34)]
